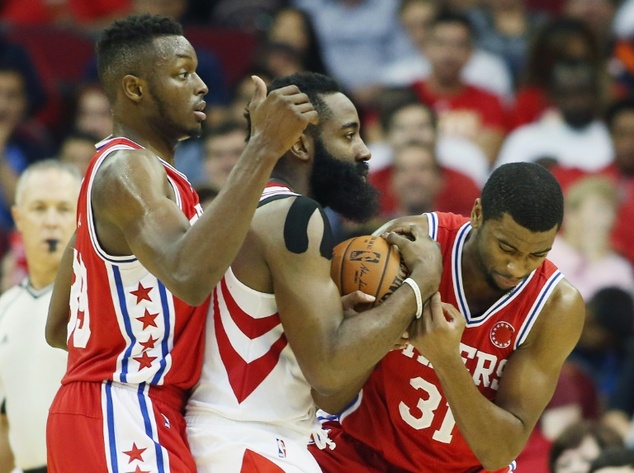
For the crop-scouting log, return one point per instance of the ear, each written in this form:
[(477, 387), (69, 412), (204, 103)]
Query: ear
[(303, 148), (476, 214), (133, 87)]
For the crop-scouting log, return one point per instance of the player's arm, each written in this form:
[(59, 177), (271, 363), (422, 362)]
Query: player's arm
[(58, 309), (497, 432), (130, 193), (333, 350), (403, 222)]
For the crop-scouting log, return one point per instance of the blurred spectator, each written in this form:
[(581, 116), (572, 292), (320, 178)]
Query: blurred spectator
[(504, 28), (571, 134), (620, 409), (242, 93), (419, 184), (483, 69), (413, 176), (463, 110), (406, 119), (88, 16), (602, 348), (22, 141), (583, 250), (358, 39), (291, 44), (223, 145), (92, 112), (597, 14), (623, 26), (614, 460), (579, 444), (247, 15), (78, 148), (559, 39), (619, 119)]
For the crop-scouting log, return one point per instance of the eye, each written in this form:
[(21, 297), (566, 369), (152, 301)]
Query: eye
[(184, 75), (505, 248)]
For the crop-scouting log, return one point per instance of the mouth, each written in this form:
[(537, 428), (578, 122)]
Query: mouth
[(52, 244), (506, 282), (199, 110)]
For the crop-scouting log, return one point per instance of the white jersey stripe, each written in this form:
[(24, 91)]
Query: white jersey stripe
[(537, 307)]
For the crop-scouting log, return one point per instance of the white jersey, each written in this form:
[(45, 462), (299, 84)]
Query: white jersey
[(30, 371), (250, 373)]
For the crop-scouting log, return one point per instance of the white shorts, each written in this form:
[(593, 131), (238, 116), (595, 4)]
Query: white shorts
[(241, 447)]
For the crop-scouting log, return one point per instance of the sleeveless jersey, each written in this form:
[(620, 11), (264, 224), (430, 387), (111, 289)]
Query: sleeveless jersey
[(402, 411), (125, 325), (250, 373)]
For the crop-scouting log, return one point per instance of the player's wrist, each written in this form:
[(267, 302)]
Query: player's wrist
[(419, 300)]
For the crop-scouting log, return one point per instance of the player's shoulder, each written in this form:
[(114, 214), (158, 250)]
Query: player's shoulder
[(565, 307)]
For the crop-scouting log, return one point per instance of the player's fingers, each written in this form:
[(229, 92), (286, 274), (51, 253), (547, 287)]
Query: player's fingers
[(259, 92), (452, 314), (417, 231), (355, 298), (395, 238)]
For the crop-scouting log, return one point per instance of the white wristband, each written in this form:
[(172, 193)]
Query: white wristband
[(419, 299)]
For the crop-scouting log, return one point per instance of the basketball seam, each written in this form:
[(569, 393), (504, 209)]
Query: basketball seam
[(343, 261), (386, 263)]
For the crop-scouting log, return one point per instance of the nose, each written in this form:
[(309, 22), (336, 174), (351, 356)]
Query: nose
[(363, 154), (517, 268), (52, 217), (201, 87)]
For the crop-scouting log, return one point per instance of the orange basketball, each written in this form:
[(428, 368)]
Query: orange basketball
[(369, 264)]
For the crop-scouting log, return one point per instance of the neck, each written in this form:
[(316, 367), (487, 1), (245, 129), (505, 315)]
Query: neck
[(39, 279), (294, 181), (444, 87), (159, 145)]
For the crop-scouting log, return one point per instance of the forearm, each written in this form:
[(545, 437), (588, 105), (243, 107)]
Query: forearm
[(196, 261), (359, 343), (59, 306), (494, 435)]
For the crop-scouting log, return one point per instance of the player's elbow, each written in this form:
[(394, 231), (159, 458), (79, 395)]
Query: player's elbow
[(496, 458), (190, 290)]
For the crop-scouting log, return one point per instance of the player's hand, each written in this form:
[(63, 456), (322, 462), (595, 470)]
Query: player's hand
[(421, 255), (437, 334), (279, 118), (356, 302)]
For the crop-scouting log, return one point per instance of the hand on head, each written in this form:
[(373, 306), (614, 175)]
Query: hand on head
[(281, 116)]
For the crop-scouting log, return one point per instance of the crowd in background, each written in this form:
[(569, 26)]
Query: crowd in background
[(447, 90)]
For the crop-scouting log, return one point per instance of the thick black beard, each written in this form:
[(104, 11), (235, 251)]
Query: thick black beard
[(341, 186)]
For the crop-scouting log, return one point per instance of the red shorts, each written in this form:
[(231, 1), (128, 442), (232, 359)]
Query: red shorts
[(110, 427), (349, 455)]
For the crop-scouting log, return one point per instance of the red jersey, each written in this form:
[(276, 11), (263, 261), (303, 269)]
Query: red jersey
[(125, 325), (402, 412)]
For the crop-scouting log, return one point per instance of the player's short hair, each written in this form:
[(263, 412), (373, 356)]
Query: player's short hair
[(40, 166), (315, 86), (528, 192), (126, 47)]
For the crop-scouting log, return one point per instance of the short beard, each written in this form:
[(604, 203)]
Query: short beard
[(342, 186)]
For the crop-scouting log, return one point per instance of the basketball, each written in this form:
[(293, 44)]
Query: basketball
[(369, 264)]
